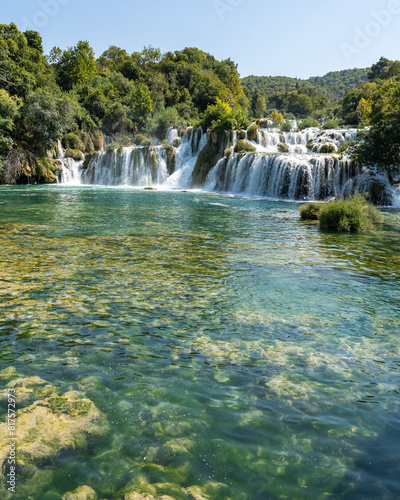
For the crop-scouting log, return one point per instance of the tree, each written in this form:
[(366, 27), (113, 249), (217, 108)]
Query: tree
[(49, 116), (76, 65), (9, 107), (376, 70), (258, 104), (277, 118)]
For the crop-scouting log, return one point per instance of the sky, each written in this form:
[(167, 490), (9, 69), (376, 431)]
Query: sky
[(297, 38)]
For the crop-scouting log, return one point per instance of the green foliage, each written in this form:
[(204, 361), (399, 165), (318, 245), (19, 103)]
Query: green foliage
[(49, 115), (221, 116), (276, 118), (376, 70), (309, 122), (163, 120), (243, 146), (330, 124), (310, 211), (351, 215), (142, 140), (9, 107), (76, 65), (327, 148), (286, 126), (348, 109)]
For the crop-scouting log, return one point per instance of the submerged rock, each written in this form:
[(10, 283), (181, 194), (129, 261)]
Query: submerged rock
[(49, 425), (81, 493)]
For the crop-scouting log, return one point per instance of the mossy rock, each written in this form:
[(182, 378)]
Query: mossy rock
[(171, 160), (75, 154), (252, 133), (283, 147), (176, 142), (97, 137), (44, 171), (88, 157), (206, 160), (244, 146), (72, 141), (264, 123), (88, 146), (242, 134)]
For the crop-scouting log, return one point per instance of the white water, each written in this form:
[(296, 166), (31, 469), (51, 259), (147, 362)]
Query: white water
[(71, 170)]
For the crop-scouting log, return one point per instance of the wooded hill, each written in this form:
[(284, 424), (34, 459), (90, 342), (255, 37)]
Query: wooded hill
[(333, 85)]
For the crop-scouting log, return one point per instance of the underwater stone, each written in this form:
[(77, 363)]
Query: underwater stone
[(81, 493), (51, 425)]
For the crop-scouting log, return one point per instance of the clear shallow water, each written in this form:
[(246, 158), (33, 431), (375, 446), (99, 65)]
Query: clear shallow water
[(266, 351)]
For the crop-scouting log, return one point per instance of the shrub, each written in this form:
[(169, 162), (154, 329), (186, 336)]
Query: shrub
[(287, 126), (329, 124), (328, 148), (307, 123), (252, 132), (142, 140), (227, 153), (283, 147), (310, 211), (244, 146), (352, 214)]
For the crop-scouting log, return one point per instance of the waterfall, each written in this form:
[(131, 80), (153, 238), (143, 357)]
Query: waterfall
[(311, 168), (70, 169), (290, 177), (148, 166)]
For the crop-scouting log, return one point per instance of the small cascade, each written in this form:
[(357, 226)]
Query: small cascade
[(71, 170)]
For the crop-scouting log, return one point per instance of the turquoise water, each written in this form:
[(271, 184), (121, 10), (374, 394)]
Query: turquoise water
[(264, 353)]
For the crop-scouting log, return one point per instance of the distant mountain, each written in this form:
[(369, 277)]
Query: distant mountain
[(333, 85)]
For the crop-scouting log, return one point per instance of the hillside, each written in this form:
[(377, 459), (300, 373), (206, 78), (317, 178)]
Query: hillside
[(333, 85)]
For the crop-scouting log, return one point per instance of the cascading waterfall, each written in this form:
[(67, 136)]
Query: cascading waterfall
[(148, 166), (310, 170), (295, 177)]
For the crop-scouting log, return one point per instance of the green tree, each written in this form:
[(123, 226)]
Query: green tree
[(49, 116), (376, 70), (76, 65), (258, 104), (9, 107)]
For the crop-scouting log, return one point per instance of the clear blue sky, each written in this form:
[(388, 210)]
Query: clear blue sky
[(291, 38)]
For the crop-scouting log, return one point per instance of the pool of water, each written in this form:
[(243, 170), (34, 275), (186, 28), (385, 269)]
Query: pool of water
[(228, 345)]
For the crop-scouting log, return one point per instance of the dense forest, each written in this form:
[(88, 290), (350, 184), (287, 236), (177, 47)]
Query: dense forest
[(333, 85), (70, 95)]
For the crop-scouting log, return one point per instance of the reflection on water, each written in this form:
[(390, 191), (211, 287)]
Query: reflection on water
[(230, 350)]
